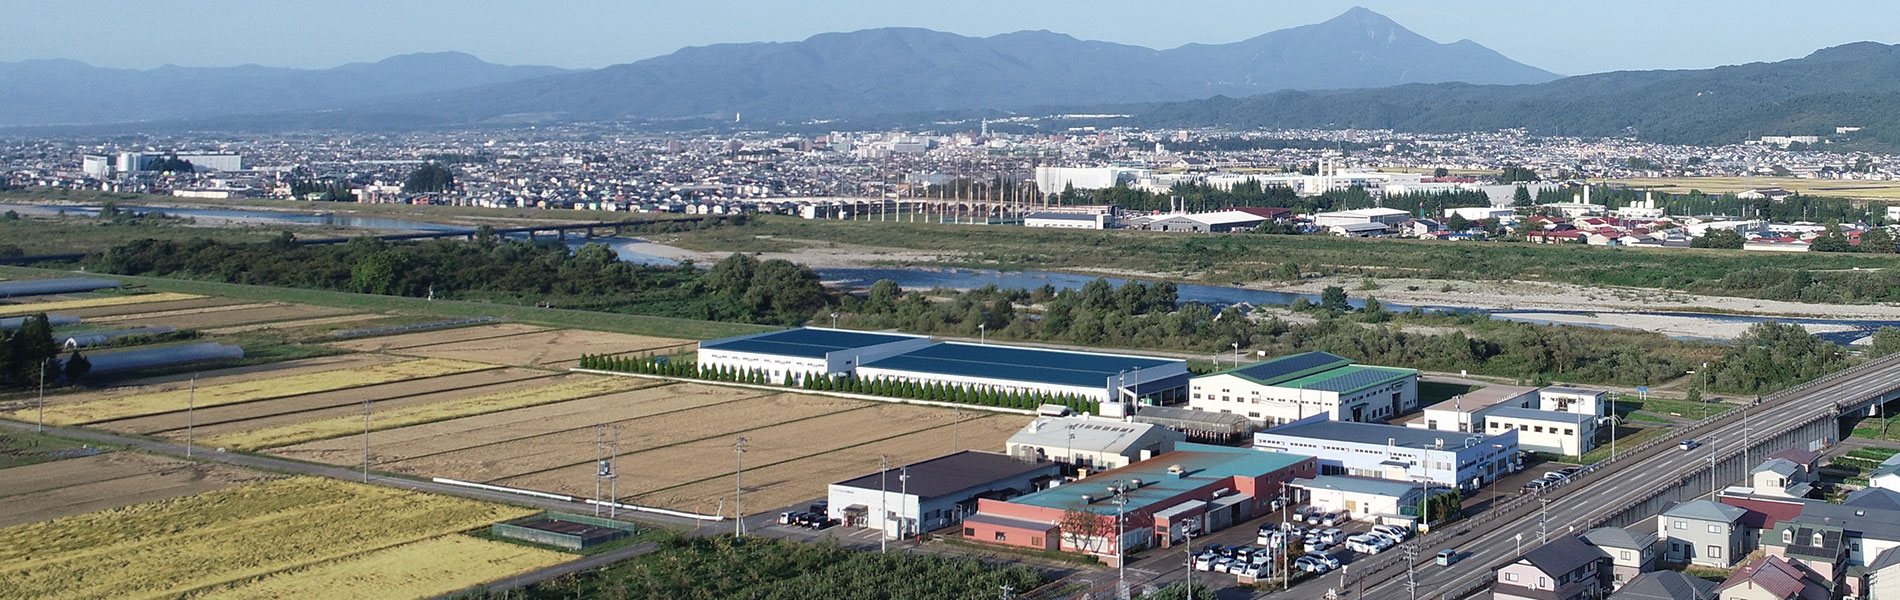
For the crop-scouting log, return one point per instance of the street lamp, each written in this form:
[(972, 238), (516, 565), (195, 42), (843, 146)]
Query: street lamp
[(1236, 346), (738, 474), (983, 333), (834, 320)]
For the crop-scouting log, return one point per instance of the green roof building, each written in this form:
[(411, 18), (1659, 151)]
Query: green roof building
[(1290, 388)]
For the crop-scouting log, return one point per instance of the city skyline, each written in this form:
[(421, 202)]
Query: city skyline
[(1605, 36)]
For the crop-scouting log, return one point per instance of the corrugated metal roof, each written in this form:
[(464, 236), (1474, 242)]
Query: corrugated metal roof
[(1203, 464), (1272, 372), (1034, 365), (1349, 378), (804, 342)]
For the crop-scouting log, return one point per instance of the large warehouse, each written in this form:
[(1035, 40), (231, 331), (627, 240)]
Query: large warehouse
[(933, 494), (1091, 375), (806, 350), (1294, 387)]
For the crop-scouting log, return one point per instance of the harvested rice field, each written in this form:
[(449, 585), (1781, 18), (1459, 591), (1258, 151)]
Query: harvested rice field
[(297, 324), (27, 308), (74, 486), (772, 485), (416, 442), (95, 313), (482, 401), (560, 347), (430, 338), (248, 391), (537, 461), (216, 420), (150, 385), (222, 318)]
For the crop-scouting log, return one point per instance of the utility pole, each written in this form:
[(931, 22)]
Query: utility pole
[(1121, 526), (42, 417), (883, 502), (1543, 522), (1411, 569), (1187, 527), (738, 475), (903, 502), (365, 440), (613, 477), (191, 406), (1286, 539), (600, 465), (956, 424)]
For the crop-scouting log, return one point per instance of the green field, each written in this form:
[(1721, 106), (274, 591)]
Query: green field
[(61, 235)]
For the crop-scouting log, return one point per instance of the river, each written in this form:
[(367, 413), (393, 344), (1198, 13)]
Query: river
[(643, 252)]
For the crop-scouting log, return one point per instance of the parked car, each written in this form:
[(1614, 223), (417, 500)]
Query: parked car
[(1306, 563), (1366, 544), (1393, 531), (1334, 535), (1247, 570), (1335, 519), (1326, 559), (1571, 471), (1268, 538), (1205, 562), (1243, 553), (786, 518)]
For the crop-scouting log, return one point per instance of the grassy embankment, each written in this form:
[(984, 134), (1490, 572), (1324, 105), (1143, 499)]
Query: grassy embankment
[(1244, 257)]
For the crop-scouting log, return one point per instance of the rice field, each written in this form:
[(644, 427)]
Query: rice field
[(12, 310), (296, 433), (204, 319), (105, 481), (217, 420), (430, 338), (407, 443), (560, 347), (175, 547), (422, 569), (247, 391), (295, 324)]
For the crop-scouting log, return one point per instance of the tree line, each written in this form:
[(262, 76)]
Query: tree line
[(889, 388), (492, 269)]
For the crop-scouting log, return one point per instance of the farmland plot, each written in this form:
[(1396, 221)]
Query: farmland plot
[(166, 549), (770, 486), (217, 420), (261, 314), (495, 428), (557, 347), (775, 441), (430, 338), (161, 312), (414, 414), (94, 313), (521, 461), (105, 481), (336, 320), (422, 569), (14, 310), (264, 389)]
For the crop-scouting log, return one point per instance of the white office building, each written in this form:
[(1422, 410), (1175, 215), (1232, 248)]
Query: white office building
[(1382, 216), (905, 500), (1560, 433), (1290, 388), (1465, 412), (1454, 460), (1574, 400), (1052, 180)]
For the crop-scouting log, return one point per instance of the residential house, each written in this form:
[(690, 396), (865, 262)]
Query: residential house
[(1771, 578), (1632, 553), (1566, 568), (1703, 532), (1819, 544), (1883, 577), (1780, 477), (1666, 585)]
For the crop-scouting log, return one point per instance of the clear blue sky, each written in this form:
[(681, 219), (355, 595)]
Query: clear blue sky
[(1568, 37)]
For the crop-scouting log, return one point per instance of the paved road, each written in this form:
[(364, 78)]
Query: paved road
[(1588, 501)]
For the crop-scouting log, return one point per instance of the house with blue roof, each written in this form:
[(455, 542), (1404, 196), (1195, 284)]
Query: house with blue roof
[(1294, 387)]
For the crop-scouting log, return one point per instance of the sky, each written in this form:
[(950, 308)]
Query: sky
[(1569, 37)]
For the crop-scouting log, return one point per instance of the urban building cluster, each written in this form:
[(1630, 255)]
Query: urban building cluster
[(1172, 454)]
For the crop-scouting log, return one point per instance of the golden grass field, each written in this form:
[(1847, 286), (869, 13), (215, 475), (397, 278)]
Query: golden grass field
[(559, 347), (171, 548), (61, 488), (430, 338), (422, 569), (220, 420), (9, 310), (230, 393), (297, 433), (1838, 188)]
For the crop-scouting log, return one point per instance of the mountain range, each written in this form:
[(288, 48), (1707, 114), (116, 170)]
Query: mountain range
[(1850, 85), (875, 71), (52, 92)]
